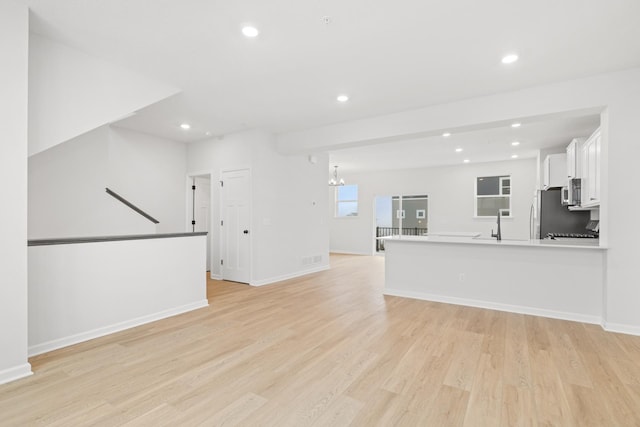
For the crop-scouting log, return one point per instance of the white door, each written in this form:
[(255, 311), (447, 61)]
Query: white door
[(201, 215), (235, 226)]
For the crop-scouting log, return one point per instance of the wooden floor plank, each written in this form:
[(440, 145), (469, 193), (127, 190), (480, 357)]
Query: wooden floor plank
[(518, 407), (329, 349), (485, 399), (551, 403)]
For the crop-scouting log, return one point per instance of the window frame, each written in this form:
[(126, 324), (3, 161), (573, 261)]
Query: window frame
[(336, 204), (501, 178)]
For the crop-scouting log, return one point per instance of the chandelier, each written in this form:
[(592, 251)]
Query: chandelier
[(334, 181)]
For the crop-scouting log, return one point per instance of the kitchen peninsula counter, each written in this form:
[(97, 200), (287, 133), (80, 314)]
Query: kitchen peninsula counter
[(540, 277), (492, 241)]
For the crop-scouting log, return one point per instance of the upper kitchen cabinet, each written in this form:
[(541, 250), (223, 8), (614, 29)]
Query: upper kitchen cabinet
[(591, 170), (574, 158), (555, 171)]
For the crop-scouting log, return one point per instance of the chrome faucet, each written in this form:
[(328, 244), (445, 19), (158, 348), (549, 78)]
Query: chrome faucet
[(497, 235)]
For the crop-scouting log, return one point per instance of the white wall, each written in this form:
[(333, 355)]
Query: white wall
[(451, 201), (482, 275), (286, 226), (149, 171), (67, 184), (289, 212), (67, 195), (71, 93), (125, 289), (617, 93), (14, 32)]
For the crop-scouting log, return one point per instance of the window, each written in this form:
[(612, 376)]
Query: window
[(493, 194), (346, 201)]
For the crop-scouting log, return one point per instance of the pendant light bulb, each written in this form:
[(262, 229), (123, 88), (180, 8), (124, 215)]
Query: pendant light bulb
[(335, 181)]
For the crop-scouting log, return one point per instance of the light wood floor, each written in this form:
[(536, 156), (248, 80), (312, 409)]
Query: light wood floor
[(330, 350)]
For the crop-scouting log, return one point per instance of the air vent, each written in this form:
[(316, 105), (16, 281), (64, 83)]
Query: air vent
[(311, 260)]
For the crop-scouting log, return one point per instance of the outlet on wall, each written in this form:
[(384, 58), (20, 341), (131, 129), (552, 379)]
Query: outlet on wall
[(461, 277)]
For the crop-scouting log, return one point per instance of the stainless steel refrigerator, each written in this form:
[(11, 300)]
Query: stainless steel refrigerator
[(548, 215)]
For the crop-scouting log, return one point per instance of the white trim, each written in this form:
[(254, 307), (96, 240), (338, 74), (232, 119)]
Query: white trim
[(117, 327), (15, 373), (288, 276), (215, 276), (520, 309), (621, 328), (338, 251)]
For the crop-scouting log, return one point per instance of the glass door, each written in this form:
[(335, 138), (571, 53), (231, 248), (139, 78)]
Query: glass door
[(400, 216)]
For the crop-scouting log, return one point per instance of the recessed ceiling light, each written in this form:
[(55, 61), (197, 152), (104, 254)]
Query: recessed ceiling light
[(446, 134), (185, 126), (458, 150), (466, 160), (516, 125), (250, 31), (342, 98), (514, 156), (515, 143), (510, 59), (207, 133)]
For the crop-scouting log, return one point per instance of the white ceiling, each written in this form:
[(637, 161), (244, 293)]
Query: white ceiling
[(483, 145), (388, 56)]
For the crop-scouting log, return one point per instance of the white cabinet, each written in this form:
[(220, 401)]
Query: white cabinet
[(574, 160), (591, 170), (555, 171)]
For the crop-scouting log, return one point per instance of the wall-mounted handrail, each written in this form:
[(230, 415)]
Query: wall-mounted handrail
[(131, 205)]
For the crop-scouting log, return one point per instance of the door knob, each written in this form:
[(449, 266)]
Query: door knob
[(246, 231)]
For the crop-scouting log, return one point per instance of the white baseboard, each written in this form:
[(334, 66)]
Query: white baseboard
[(15, 373), (110, 329), (288, 276), (215, 276), (621, 328), (339, 252), (576, 317)]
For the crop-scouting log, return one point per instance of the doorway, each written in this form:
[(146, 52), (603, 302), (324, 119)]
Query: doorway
[(400, 216), (235, 226), (200, 209)]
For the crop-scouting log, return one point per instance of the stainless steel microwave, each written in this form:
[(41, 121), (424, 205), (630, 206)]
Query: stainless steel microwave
[(571, 194)]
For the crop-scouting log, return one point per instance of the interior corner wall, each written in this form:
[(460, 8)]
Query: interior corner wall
[(286, 224), (14, 39), (451, 194), (67, 196), (289, 213), (71, 93), (150, 172)]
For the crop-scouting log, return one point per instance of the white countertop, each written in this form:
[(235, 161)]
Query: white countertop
[(566, 243)]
